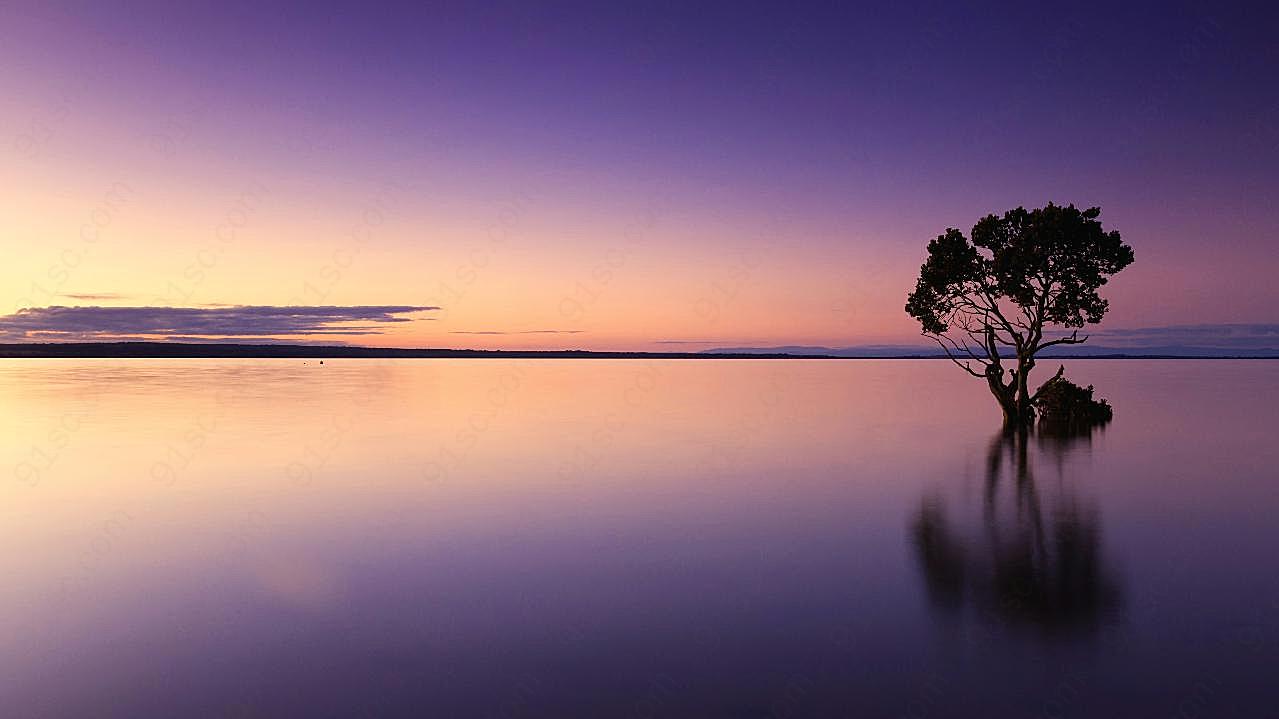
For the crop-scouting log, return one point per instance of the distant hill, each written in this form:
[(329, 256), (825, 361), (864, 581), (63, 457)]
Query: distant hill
[(1061, 352)]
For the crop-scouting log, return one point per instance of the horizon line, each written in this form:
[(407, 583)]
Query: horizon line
[(285, 350)]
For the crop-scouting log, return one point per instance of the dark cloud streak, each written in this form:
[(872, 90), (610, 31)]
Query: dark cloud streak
[(515, 332), (1201, 340), (198, 323), (94, 296), (1232, 336)]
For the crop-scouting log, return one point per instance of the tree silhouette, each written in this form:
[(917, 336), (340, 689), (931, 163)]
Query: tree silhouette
[(990, 297)]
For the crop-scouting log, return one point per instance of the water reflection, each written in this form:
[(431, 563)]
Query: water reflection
[(1031, 557), (480, 538)]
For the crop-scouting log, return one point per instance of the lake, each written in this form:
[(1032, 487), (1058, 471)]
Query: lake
[(631, 538)]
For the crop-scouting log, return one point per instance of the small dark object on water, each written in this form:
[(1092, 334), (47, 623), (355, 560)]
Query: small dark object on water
[(1064, 405), (321, 361)]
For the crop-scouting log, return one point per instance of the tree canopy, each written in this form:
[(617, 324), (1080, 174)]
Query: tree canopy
[(991, 295)]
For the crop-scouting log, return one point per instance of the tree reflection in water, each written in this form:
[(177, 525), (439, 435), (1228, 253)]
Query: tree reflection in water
[(1027, 563)]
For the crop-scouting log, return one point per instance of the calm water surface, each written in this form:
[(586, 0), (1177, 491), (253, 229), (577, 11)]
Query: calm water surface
[(628, 538)]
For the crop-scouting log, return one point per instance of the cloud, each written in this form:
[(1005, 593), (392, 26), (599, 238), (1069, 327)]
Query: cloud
[(1231, 336), (247, 341), (52, 324), (93, 296), (697, 342), (1201, 340), (515, 332)]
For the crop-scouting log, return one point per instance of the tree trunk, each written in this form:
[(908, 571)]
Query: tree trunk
[(1006, 396), (1013, 397), (1016, 414), (1025, 412)]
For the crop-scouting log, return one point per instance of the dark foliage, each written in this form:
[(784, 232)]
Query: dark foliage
[(991, 296), (1064, 406)]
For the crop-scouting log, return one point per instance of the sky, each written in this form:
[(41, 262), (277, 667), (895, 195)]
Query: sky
[(639, 176)]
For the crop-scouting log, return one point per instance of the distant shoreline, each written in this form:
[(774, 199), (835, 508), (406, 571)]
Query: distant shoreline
[(191, 350)]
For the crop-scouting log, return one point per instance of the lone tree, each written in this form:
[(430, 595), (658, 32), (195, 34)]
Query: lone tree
[(988, 299)]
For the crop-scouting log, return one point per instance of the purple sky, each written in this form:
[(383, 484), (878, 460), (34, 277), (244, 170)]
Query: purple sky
[(796, 158)]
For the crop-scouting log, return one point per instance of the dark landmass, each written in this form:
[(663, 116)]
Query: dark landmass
[(200, 350), (161, 350)]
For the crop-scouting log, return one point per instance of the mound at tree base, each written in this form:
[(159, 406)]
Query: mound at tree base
[(1063, 406)]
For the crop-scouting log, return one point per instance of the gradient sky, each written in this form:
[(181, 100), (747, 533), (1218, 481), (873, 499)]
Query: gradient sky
[(623, 175)]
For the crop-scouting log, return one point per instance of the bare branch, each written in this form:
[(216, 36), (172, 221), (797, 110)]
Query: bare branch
[(1073, 339), (1007, 326), (962, 365), (960, 347)]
